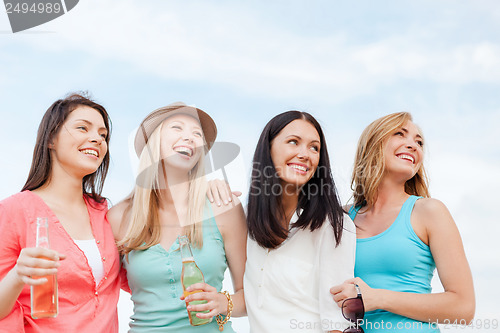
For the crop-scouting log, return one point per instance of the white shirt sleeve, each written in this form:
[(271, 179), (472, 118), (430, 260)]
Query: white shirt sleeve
[(336, 265)]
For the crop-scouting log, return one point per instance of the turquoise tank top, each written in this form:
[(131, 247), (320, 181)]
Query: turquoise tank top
[(154, 277), (397, 260)]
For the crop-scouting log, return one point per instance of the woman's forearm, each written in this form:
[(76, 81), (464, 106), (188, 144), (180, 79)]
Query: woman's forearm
[(239, 307), (436, 307), (10, 289)]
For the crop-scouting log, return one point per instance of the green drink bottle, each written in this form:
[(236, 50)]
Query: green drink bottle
[(191, 274)]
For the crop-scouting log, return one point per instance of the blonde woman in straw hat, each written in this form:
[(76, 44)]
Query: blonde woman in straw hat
[(169, 199)]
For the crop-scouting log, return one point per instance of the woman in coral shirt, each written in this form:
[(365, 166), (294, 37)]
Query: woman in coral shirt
[(70, 163)]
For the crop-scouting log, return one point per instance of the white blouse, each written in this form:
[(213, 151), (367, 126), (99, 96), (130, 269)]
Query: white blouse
[(288, 289)]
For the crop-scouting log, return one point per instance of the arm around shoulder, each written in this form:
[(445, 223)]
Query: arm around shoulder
[(231, 220)]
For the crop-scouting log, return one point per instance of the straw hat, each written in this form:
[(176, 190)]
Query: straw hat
[(155, 118)]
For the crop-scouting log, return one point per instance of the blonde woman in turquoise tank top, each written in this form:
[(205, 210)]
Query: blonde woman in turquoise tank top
[(169, 200), (402, 235)]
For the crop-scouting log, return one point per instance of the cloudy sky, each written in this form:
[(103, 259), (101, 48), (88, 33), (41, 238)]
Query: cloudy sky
[(347, 63)]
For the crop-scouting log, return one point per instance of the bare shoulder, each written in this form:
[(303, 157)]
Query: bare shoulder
[(231, 217), (429, 207), (117, 219), (115, 213), (432, 212)]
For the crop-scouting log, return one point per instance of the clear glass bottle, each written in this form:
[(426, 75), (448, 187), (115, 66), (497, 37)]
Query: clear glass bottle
[(191, 274), (44, 301)]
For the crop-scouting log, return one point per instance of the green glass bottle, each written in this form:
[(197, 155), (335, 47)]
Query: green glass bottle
[(191, 274)]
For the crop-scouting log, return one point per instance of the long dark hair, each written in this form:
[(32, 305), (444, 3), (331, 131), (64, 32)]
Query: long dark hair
[(51, 123), (318, 199)]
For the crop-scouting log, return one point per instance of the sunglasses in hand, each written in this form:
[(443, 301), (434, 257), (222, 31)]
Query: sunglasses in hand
[(354, 311)]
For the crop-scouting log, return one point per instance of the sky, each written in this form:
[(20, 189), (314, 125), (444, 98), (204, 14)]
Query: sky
[(347, 63)]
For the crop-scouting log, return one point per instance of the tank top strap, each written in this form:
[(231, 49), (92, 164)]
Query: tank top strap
[(353, 211), (404, 213), (407, 207), (210, 227), (405, 217)]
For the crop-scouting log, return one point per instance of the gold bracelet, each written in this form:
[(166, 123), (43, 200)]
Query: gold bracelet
[(218, 318)]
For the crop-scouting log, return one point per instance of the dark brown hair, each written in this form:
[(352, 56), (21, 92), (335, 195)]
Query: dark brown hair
[(265, 210), (51, 123)]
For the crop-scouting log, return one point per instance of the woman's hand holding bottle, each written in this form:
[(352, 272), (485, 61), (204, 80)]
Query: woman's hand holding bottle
[(216, 302), (35, 262)]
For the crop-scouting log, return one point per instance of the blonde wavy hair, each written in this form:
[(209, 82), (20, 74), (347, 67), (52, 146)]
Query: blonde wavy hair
[(369, 163), (144, 229)]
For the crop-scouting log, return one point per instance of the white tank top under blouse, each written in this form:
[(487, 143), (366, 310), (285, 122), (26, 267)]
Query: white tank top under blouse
[(91, 251)]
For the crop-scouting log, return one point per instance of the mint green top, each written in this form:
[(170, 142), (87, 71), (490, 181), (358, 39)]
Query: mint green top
[(397, 260), (154, 277)]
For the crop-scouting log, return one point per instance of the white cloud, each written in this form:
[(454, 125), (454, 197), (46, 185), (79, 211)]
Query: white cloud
[(228, 44)]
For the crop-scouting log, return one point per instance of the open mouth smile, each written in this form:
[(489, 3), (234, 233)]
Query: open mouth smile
[(183, 150), (299, 168), (406, 157), (91, 152)]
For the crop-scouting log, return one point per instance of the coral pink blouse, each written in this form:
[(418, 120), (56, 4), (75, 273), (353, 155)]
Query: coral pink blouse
[(83, 305)]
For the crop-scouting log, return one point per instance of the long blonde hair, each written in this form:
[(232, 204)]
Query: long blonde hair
[(369, 163), (144, 229)]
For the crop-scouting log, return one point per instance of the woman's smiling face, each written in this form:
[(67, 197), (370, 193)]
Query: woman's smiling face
[(80, 144), (403, 151), (182, 141), (295, 152)]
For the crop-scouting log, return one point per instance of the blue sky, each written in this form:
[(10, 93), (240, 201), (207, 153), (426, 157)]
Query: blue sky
[(347, 63)]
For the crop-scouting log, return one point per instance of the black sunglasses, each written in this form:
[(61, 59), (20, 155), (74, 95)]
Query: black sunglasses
[(354, 311)]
